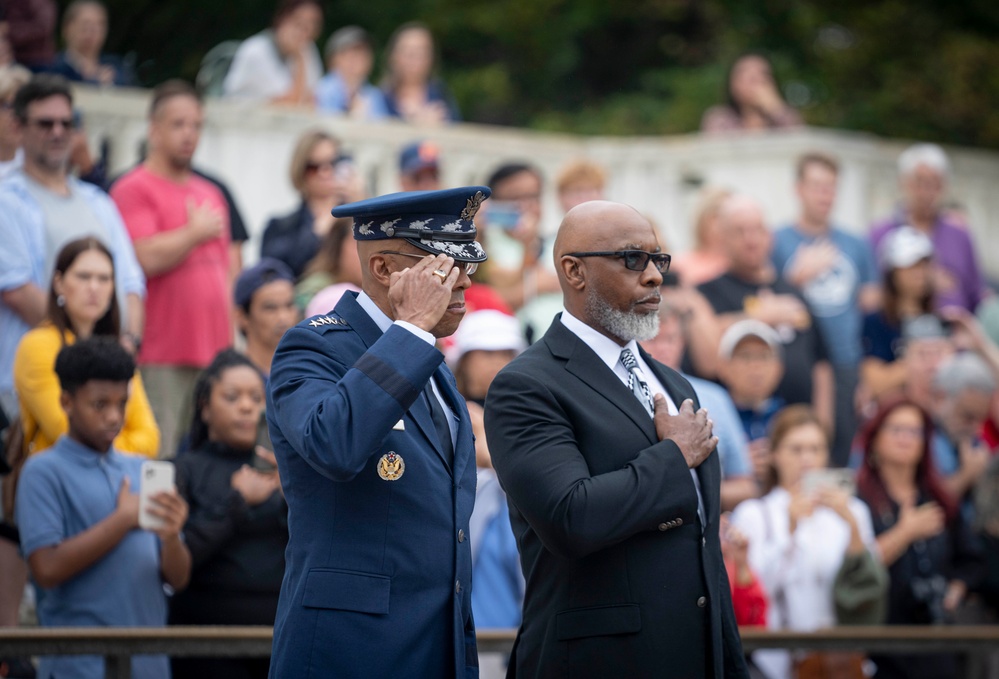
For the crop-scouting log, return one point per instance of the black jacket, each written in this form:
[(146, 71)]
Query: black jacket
[(291, 239), (234, 547), (620, 579)]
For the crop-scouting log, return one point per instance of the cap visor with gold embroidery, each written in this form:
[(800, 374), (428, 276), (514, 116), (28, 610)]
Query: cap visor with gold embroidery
[(439, 222)]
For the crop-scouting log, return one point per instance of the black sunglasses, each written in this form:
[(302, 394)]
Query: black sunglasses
[(634, 260), (48, 124), (326, 164)]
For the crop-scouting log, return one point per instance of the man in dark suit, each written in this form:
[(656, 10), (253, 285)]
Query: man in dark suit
[(613, 489), (376, 456)]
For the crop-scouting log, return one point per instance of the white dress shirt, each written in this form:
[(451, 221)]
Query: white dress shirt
[(609, 352), (797, 571), (384, 323)]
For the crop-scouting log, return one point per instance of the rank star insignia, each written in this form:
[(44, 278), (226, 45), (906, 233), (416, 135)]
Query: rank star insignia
[(319, 321), (391, 467), (472, 206)]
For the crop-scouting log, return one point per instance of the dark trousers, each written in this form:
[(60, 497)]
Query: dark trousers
[(846, 378), (198, 607)]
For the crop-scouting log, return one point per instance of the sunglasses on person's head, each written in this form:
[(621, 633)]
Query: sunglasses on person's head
[(48, 124), (470, 267), (634, 260)]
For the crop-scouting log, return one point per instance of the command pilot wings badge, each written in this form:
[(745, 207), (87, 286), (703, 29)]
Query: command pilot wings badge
[(391, 467)]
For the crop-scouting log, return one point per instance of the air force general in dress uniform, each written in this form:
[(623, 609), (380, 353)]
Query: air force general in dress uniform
[(376, 456)]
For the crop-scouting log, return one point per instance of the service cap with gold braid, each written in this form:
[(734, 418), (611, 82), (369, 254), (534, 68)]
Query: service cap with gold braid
[(439, 222)]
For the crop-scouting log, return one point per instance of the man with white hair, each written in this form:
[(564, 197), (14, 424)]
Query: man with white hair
[(963, 391), (963, 388), (923, 171)]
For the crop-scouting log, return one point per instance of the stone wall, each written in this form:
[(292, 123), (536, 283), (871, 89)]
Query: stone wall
[(249, 147)]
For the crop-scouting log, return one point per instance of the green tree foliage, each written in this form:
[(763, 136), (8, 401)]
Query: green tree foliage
[(900, 68)]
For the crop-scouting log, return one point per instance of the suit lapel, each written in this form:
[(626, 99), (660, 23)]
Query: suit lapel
[(709, 471), (369, 332), (582, 362)]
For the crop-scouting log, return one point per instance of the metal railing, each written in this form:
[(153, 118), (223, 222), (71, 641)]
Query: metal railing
[(119, 644)]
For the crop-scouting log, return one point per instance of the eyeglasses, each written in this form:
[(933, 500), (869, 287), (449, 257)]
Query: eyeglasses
[(634, 260), (900, 429), (470, 267), (48, 124)]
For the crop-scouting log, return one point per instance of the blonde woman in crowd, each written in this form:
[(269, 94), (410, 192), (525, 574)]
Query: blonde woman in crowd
[(707, 260)]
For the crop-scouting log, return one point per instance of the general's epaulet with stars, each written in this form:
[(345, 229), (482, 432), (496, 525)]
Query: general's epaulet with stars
[(327, 323)]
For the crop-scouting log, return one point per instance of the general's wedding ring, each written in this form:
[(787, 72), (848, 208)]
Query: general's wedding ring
[(442, 274)]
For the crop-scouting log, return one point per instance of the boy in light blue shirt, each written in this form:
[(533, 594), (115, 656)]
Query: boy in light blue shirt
[(79, 518)]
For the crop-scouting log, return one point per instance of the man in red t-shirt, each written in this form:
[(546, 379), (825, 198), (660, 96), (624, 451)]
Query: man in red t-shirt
[(179, 225)]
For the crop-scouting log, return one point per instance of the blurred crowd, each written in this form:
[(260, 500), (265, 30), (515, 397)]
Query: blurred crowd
[(852, 380)]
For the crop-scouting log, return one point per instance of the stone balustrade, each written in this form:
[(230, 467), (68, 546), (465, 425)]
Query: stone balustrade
[(249, 147)]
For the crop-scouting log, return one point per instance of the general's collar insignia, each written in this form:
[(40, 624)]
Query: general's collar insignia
[(391, 466), (320, 321), (472, 206)]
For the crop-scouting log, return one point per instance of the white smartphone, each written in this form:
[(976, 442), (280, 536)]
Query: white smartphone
[(842, 479), (157, 477)]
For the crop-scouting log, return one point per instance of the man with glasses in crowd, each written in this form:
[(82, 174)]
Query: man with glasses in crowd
[(612, 476), (42, 207), (375, 451)]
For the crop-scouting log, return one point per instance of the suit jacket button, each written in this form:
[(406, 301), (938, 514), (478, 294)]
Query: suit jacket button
[(664, 526), (679, 522), (457, 586), (701, 602), (461, 535)]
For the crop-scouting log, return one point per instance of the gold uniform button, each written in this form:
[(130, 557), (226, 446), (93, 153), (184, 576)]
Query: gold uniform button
[(679, 522), (664, 527), (457, 586), (461, 535), (702, 602)]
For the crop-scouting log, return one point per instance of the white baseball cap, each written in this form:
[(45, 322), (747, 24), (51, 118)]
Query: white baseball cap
[(904, 247), (486, 330), (748, 328)]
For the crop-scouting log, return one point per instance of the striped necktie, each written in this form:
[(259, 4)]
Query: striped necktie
[(637, 385)]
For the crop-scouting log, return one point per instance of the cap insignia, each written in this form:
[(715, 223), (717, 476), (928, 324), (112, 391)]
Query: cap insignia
[(472, 206)]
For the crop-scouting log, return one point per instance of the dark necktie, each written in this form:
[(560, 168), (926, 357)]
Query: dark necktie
[(637, 385), (440, 421)]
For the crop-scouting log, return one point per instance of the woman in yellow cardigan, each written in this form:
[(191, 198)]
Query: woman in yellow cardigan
[(81, 304)]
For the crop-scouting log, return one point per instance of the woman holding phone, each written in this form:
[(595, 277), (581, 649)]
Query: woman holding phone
[(237, 529), (801, 533)]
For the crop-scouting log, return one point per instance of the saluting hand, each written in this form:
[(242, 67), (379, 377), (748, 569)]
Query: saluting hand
[(418, 295), (691, 432)]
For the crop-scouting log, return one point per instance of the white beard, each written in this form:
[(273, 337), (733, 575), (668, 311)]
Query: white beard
[(625, 325)]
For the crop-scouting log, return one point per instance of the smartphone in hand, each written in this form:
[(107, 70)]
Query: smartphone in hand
[(841, 479), (156, 477)]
